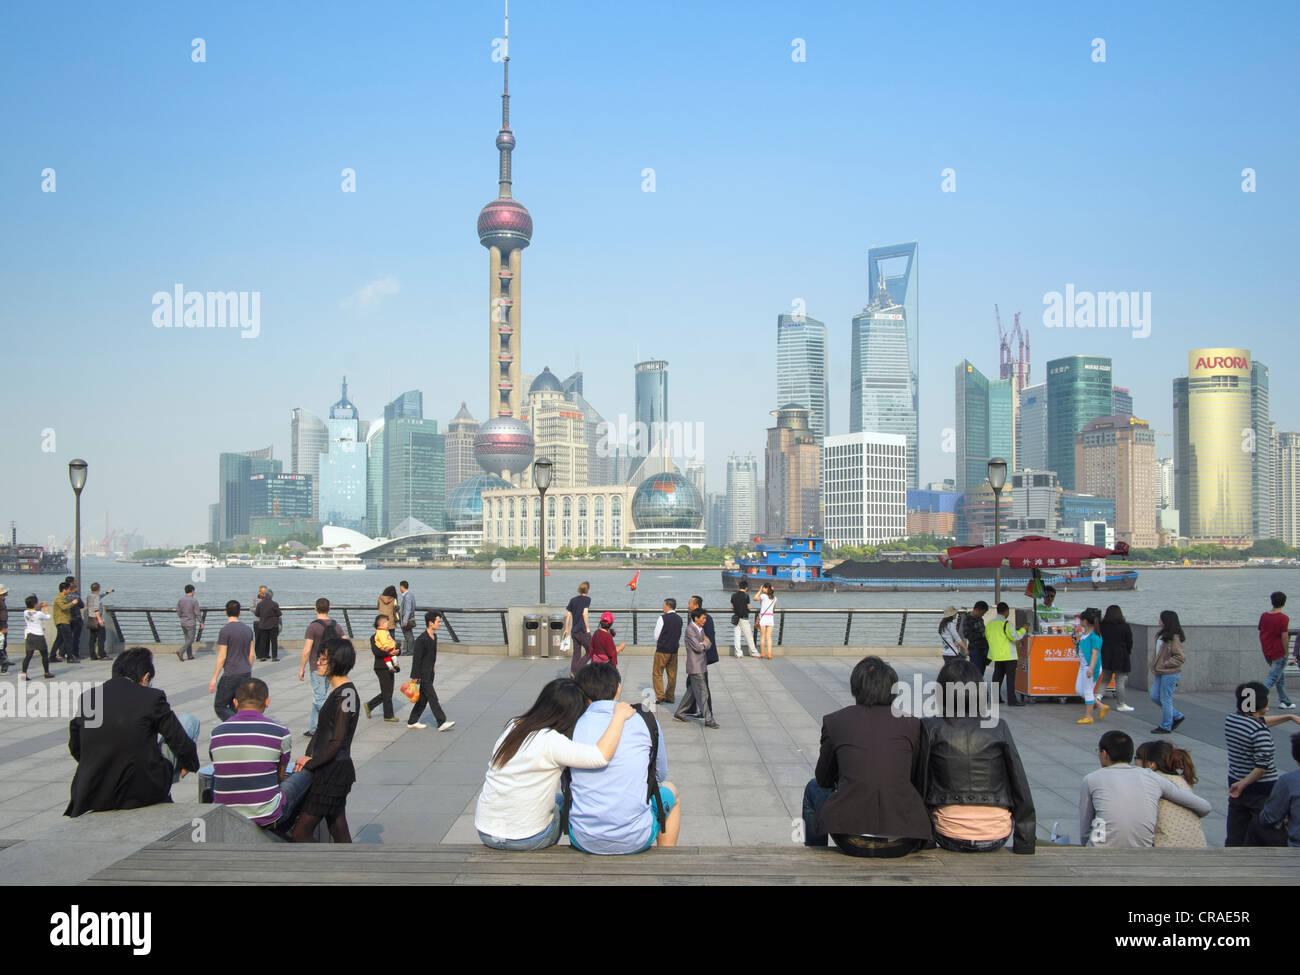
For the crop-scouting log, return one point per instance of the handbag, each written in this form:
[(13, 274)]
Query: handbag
[(412, 690)]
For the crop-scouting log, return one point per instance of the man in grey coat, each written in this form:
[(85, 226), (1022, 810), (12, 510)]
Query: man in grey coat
[(696, 700)]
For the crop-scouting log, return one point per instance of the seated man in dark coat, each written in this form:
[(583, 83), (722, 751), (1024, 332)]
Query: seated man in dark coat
[(867, 793), (116, 740)]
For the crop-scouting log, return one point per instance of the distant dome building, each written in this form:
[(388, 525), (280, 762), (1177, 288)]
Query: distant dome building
[(547, 382), (465, 505), (667, 511)]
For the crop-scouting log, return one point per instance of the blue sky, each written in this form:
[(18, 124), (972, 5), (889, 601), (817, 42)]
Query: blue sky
[(772, 179)]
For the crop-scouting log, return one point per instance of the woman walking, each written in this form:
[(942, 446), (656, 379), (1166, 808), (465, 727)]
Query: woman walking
[(950, 635), (766, 618), (385, 651), (1167, 668), (1116, 655), (603, 648), (387, 606), (519, 807), (1175, 825), (329, 756), (1088, 647)]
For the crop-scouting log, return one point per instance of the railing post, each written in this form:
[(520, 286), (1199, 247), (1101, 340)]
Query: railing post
[(451, 632), (347, 622), (848, 625), (634, 639), (149, 619), (902, 628), (780, 630), (117, 626), (505, 629)]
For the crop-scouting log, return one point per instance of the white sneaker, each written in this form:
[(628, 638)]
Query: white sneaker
[(416, 724), (739, 656), (756, 655), (446, 725), (1288, 706), (1124, 707)]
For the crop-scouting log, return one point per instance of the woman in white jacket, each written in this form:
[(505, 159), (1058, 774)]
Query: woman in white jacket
[(520, 805)]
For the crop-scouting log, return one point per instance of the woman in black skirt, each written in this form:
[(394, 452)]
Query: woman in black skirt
[(329, 756)]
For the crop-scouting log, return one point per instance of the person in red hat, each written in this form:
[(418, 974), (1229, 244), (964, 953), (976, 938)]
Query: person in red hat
[(603, 650)]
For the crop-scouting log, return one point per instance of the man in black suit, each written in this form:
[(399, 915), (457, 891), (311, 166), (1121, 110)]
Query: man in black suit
[(116, 741), (867, 790), (423, 666)]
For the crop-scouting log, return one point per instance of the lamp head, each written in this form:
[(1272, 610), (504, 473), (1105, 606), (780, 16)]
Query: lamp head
[(997, 474), (542, 473), (77, 474)]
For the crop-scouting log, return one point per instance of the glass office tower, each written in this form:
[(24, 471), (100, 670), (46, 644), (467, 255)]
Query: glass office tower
[(1079, 389), (801, 369)]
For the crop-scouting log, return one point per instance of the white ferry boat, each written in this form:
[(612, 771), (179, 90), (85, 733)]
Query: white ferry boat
[(332, 558), (194, 560)]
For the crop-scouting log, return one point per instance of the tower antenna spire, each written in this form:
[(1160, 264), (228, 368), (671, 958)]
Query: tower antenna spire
[(505, 138)]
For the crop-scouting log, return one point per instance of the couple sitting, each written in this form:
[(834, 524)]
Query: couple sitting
[(582, 758), (888, 784)]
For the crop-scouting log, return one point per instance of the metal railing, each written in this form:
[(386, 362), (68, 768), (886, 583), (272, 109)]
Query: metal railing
[(813, 627), (156, 624)]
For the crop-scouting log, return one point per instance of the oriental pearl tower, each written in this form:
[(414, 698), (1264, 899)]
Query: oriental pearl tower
[(504, 444)]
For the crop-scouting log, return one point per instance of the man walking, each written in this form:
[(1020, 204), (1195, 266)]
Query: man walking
[(423, 667), (740, 620), (668, 636), (234, 661), (318, 631), (75, 619), (1273, 624), (187, 610), (1001, 639), (697, 699), (577, 627), (62, 613), (406, 614)]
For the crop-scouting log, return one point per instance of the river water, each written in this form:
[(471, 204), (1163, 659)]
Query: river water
[(1200, 596)]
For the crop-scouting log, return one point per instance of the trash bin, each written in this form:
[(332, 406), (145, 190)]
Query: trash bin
[(555, 636), (532, 636)]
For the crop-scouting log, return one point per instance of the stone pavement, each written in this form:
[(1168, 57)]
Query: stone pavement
[(741, 785)]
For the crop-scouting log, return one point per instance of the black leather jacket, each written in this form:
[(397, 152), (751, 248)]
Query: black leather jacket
[(966, 765)]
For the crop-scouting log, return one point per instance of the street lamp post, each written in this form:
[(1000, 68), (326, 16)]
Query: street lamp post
[(77, 477), (542, 478), (997, 481)]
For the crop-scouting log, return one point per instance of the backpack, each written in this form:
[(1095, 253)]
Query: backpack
[(652, 777)]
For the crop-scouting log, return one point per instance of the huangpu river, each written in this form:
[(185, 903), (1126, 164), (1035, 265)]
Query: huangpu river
[(1200, 596)]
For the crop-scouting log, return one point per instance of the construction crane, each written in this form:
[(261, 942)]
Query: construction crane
[(1009, 368)]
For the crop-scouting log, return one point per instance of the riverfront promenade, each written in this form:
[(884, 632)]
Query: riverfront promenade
[(741, 785)]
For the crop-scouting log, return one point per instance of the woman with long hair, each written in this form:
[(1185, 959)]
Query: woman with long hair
[(329, 756), (950, 635), (603, 648), (1088, 647), (387, 605), (766, 618), (1175, 825), (1116, 654), (1167, 666), (975, 784), (519, 807)]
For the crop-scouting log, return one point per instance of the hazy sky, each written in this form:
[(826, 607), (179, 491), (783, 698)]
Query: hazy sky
[(772, 177)]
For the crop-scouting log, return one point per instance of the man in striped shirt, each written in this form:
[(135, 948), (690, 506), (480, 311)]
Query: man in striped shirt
[(1251, 767), (249, 755)]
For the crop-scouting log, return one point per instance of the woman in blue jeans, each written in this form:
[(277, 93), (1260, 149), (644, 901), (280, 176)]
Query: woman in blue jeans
[(1167, 668), (520, 807)]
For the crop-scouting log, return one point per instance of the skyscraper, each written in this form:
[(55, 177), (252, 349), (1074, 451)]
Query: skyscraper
[(863, 478), (233, 472), (1286, 488), (279, 495), (1213, 434), (342, 491), (1003, 402), (1261, 472), (651, 405), (742, 499), (881, 391), (1122, 401), (309, 437), (1078, 390), (1164, 473), (792, 474), (895, 271), (972, 426), (801, 374), (559, 431), (375, 470), (415, 475), (1113, 458), (504, 444), (460, 448), (1031, 429)]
